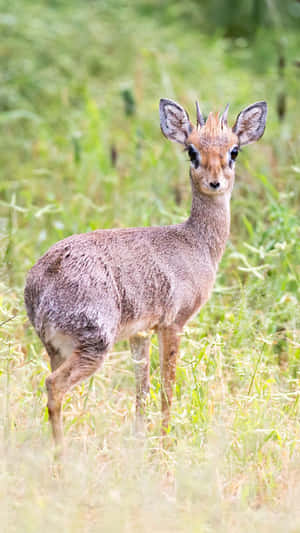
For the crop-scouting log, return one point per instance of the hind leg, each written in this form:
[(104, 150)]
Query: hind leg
[(56, 359), (76, 368), (59, 347), (140, 347)]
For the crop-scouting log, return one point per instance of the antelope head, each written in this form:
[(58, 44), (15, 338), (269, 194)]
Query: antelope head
[(212, 145)]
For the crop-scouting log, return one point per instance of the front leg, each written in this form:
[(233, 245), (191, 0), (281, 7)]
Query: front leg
[(169, 339), (140, 348)]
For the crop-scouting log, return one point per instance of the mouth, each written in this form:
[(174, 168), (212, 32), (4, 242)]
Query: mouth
[(212, 190)]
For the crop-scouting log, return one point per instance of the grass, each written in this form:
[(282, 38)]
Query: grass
[(79, 82)]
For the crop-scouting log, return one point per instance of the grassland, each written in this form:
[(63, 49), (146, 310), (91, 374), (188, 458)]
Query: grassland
[(81, 149)]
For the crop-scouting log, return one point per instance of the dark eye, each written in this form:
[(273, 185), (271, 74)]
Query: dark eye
[(194, 155), (234, 152)]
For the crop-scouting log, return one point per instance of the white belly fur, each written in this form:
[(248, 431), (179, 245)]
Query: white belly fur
[(132, 328)]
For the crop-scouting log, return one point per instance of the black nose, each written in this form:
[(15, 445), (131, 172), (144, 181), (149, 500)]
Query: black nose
[(214, 184)]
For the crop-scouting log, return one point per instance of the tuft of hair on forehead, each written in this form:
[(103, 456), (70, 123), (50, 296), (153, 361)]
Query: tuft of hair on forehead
[(212, 125), (215, 131)]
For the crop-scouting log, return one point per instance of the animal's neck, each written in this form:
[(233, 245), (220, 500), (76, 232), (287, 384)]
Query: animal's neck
[(210, 221)]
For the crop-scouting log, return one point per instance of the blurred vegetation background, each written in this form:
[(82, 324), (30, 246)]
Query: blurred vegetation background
[(81, 149)]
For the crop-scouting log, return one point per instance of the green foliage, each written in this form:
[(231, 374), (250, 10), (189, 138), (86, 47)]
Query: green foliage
[(236, 18), (81, 149)]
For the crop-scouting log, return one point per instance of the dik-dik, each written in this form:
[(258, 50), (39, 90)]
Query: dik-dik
[(91, 290)]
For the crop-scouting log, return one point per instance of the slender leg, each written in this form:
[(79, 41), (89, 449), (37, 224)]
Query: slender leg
[(55, 356), (72, 371), (140, 347), (55, 361), (169, 340)]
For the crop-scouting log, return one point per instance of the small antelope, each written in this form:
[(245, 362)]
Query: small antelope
[(90, 290)]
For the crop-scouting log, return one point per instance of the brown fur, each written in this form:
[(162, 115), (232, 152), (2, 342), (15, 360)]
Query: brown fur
[(91, 290)]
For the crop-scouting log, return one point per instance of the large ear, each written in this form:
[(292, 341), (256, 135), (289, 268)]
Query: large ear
[(250, 123), (174, 121)]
